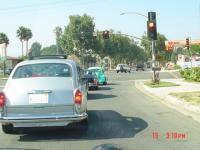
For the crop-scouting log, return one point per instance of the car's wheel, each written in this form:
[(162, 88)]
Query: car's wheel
[(104, 83), (117, 71), (8, 129), (96, 87)]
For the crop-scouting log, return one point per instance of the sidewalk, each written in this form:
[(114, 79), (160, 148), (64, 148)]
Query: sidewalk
[(162, 94)]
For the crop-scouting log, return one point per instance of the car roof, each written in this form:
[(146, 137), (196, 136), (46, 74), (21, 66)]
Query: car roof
[(94, 68), (122, 64), (27, 62)]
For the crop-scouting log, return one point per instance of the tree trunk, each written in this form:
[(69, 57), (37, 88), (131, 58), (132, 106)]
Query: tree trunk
[(22, 49), (27, 48)]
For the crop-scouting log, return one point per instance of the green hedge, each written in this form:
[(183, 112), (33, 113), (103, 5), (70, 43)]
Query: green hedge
[(191, 74)]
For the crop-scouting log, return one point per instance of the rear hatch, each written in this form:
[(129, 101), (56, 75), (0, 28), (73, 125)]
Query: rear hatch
[(39, 96)]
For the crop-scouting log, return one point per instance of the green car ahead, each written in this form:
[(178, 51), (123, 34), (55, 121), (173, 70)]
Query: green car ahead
[(100, 74)]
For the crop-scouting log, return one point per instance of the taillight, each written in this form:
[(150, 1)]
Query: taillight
[(95, 81), (78, 97), (2, 99)]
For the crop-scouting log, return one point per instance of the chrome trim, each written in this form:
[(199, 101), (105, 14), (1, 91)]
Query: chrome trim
[(39, 91), (75, 117)]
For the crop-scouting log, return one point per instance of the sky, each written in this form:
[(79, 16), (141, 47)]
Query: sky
[(176, 19)]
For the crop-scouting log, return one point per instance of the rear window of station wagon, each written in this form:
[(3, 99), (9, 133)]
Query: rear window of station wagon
[(43, 70)]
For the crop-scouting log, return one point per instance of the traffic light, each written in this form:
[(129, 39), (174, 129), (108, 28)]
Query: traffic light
[(152, 30), (187, 43), (105, 34), (151, 26)]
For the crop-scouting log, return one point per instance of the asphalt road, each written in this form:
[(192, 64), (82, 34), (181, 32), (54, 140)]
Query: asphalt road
[(119, 114)]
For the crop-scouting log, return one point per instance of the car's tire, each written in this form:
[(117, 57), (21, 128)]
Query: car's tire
[(104, 83), (117, 71), (8, 129), (83, 125), (96, 87)]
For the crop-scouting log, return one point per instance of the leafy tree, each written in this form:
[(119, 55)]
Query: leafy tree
[(36, 49), (78, 36), (160, 52), (50, 50), (118, 47), (195, 48)]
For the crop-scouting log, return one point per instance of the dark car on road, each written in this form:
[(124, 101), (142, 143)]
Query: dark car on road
[(140, 67), (92, 81)]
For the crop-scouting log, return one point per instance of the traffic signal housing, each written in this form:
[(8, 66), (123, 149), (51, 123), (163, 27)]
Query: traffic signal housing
[(105, 34), (187, 43), (152, 30)]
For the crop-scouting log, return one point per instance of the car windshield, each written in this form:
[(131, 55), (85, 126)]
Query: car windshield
[(91, 72), (43, 70)]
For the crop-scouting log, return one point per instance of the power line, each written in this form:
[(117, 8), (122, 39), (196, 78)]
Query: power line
[(43, 6), (31, 5)]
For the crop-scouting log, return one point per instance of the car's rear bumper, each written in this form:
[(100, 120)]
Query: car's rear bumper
[(60, 120), (92, 85)]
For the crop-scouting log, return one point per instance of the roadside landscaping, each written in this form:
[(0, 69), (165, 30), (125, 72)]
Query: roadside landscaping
[(160, 84), (191, 97), (2, 76), (191, 74)]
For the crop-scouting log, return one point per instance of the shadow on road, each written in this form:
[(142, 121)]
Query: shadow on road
[(97, 96), (103, 124), (105, 88)]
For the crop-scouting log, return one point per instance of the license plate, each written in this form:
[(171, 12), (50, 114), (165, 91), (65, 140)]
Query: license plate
[(38, 98)]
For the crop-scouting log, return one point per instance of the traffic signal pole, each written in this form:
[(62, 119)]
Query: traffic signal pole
[(153, 59)]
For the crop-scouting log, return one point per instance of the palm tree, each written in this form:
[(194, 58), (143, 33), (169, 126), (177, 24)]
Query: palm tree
[(4, 40), (28, 35), (21, 34), (58, 32)]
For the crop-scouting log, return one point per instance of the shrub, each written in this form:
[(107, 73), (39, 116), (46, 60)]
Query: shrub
[(177, 67), (191, 74)]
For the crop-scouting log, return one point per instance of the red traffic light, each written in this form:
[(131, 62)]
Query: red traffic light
[(151, 30), (151, 25)]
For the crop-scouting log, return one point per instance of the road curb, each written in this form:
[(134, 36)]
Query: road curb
[(172, 102), (3, 78)]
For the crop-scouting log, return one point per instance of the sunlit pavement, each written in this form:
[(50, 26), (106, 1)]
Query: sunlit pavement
[(119, 114)]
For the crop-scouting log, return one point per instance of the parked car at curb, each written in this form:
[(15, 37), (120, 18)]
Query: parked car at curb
[(123, 68), (8, 71), (44, 93), (101, 77)]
